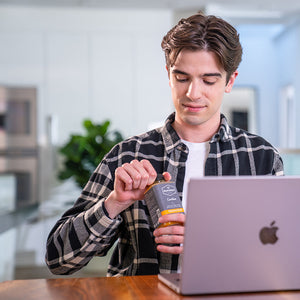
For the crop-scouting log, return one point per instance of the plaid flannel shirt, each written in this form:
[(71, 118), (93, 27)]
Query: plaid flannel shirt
[(85, 230)]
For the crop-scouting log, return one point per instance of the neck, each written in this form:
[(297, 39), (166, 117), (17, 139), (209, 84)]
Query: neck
[(197, 133)]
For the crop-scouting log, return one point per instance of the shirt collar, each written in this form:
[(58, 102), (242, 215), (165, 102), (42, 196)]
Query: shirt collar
[(169, 135), (224, 133), (172, 140)]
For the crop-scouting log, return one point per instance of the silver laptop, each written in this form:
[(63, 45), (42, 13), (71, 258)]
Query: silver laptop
[(242, 234)]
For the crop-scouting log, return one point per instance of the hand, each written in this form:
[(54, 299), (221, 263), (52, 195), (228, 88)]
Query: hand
[(165, 237), (131, 181)]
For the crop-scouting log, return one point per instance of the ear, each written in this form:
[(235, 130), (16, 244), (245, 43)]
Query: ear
[(231, 82)]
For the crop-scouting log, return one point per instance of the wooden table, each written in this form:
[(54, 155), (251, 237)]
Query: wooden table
[(135, 287)]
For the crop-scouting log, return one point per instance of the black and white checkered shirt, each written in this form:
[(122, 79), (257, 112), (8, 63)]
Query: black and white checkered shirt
[(85, 230)]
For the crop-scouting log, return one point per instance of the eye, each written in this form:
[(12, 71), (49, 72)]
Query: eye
[(209, 82), (181, 78)]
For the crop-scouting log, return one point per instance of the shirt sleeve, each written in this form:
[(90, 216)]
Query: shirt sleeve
[(85, 230), (278, 165)]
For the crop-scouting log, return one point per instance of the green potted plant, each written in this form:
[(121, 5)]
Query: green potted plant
[(83, 153)]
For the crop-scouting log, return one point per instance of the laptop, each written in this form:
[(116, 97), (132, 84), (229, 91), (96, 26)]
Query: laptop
[(242, 234)]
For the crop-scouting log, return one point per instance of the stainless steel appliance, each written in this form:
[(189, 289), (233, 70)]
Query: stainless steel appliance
[(18, 143)]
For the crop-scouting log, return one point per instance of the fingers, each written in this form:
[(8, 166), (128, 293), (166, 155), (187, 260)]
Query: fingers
[(171, 250), (122, 179), (167, 176), (169, 234), (136, 174), (170, 238), (150, 171), (178, 218)]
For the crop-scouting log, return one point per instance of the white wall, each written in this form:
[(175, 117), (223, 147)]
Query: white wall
[(287, 46), (270, 63), (88, 63), (259, 69)]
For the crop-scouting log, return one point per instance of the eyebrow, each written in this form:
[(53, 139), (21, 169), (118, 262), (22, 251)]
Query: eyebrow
[(176, 71)]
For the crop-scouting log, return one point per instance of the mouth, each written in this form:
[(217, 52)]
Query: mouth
[(194, 108)]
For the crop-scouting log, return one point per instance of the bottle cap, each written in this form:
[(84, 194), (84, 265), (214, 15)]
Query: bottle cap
[(160, 177)]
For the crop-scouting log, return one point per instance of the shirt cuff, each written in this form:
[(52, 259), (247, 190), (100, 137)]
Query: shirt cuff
[(98, 221), (105, 211)]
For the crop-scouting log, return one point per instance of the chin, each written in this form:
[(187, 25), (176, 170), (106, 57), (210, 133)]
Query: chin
[(194, 121)]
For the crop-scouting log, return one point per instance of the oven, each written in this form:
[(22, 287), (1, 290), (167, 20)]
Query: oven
[(18, 147)]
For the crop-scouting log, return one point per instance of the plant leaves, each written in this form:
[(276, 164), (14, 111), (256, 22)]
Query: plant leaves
[(82, 153)]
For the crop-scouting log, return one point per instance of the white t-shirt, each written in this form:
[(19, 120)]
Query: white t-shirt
[(195, 167), (195, 164)]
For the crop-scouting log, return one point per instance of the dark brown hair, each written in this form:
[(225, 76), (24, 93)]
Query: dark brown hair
[(209, 33)]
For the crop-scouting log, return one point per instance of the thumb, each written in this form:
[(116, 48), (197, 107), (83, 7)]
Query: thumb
[(167, 176)]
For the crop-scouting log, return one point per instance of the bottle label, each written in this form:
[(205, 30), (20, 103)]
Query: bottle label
[(162, 199)]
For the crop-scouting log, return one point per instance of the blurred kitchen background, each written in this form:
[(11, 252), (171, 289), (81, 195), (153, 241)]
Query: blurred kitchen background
[(62, 62)]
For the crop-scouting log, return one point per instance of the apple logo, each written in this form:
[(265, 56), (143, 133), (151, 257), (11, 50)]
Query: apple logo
[(267, 235)]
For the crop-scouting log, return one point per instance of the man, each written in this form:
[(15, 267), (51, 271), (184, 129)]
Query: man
[(202, 57)]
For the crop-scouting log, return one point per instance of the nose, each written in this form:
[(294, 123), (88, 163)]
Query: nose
[(194, 91)]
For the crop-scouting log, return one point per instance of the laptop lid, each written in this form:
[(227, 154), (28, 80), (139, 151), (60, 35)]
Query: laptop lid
[(242, 234)]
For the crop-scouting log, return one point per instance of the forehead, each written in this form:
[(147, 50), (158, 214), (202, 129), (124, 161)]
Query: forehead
[(191, 61)]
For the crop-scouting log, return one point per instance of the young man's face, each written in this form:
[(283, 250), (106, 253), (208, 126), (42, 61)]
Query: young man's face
[(198, 84)]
